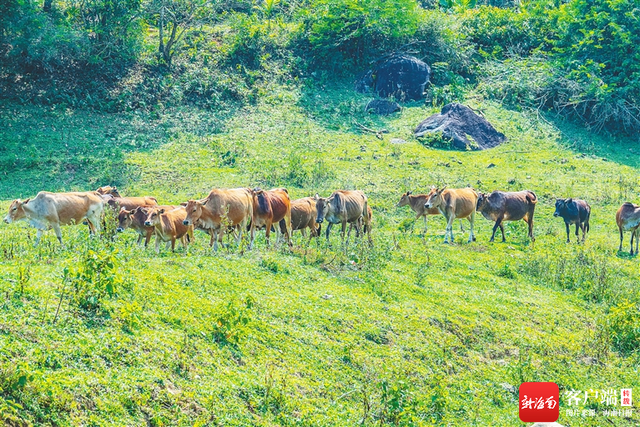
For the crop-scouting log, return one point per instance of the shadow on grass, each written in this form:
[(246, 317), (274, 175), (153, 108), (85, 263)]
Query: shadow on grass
[(56, 149)]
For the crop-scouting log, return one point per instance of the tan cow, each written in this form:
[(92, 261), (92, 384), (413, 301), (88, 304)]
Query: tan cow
[(50, 210), (270, 207), (344, 207), (169, 226), (221, 209), (454, 203), (628, 219), (113, 198), (108, 190), (135, 219), (303, 216), (417, 205)]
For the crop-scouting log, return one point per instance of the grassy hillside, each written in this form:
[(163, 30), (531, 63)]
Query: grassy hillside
[(410, 332)]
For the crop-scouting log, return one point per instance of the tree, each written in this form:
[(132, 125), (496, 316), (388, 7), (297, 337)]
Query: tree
[(174, 19)]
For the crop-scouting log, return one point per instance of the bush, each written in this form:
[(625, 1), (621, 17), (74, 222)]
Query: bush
[(624, 325), (232, 321), (345, 33), (95, 278)]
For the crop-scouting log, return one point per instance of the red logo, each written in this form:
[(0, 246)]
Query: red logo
[(539, 402)]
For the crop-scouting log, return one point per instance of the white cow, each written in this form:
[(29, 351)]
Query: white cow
[(50, 210)]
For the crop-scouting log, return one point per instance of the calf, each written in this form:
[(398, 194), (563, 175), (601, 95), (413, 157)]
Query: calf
[(270, 207), (454, 203), (501, 206), (135, 220), (344, 207), (628, 219), (50, 210), (169, 226), (574, 211), (223, 209), (417, 205), (303, 216)]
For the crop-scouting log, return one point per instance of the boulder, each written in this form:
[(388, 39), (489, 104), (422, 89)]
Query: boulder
[(401, 76), (382, 107), (464, 128)]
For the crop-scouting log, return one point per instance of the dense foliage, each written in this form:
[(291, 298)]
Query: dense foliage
[(582, 56)]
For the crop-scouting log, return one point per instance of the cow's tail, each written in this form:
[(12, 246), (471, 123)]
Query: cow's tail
[(263, 204), (531, 197)]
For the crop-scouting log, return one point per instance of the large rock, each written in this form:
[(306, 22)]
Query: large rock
[(464, 128), (401, 76)]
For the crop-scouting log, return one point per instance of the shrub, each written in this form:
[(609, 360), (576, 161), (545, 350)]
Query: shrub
[(95, 278), (344, 33), (624, 325), (232, 321)]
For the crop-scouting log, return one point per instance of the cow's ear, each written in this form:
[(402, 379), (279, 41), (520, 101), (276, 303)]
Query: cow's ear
[(316, 197), (183, 204), (569, 200), (26, 201), (161, 211), (408, 193)]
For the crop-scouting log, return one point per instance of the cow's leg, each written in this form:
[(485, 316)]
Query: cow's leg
[(425, 223), (502, 231), (495, 227), (344, 228), (39, 232), (157, 244), (253, 234), (568, 232), (461, 226), (472, 219), (56, 228), (637, 239), (221, 236), (533, 239), (448, 231), (633, 233), (241, 226), (139, 241), (621, 238), (584, 231), (148, 238), (268, 231), (577, 226)]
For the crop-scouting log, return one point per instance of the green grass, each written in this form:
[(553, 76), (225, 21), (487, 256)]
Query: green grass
[(410, 332)]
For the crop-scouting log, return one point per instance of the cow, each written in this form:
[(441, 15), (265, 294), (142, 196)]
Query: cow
[(270, 207), (135, 219), (50, 210), (107, 190), (303, 216), (169, 226), (574, 211), (220, 210), (344, 207), (454, 203), (628, 219), (500, 206), (416, 203)]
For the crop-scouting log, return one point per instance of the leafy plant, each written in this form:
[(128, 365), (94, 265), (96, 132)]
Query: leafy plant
[(232, 321), (95, 279)]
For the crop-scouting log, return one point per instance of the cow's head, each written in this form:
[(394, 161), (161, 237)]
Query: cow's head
[(113, 191), (16, 211), (322, 207), (404, 199), (561, 206), (125, 218), (194, 211), (482, 201), (153, 216), (434, 198)]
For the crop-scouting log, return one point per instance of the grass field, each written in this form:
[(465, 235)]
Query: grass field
[(411, 332)]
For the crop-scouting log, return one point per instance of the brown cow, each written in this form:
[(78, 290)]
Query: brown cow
[(270, 207), (628, 219), (344, 207), (500, 206), (113, 198), (454, 203), (50, 210), (303, 216), (222, 209), (135, 219), (169, 226)]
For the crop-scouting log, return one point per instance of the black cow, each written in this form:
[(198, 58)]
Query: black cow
[(575, 212)]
